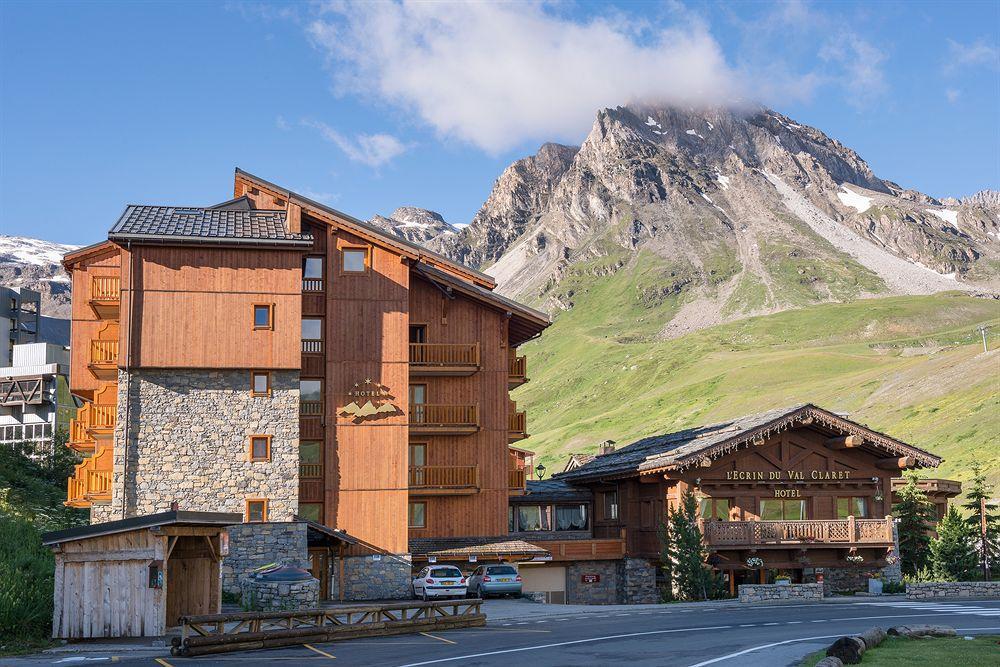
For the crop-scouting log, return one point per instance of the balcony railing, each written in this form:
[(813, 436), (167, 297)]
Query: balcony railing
[(444, 358), (443, 416), (312, 347), (516, 479), (310, 408), (91, 480), (99, 484), (517, 372), (103, 351), (444, 477), (312, 284), (518, 425), (105, 288), (835, 531), (310, 470)]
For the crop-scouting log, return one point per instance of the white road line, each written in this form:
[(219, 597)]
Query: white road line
[(569, 643), (793, 622), (748, 625), (771, 623)]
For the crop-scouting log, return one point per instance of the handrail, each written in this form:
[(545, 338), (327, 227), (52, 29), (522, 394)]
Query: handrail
[(444, 354), (425, 414), (517, 478), (310, 407), (310, 470), (312, 284), (98, 482), (444, 476), (518, 368), (824, 531), (105, 288), (103, 351)]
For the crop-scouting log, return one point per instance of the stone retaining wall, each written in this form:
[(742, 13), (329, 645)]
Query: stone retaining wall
[(638, 582), (365, 578), (279, 595), (766, 592), (252, 545), (959, 589), (603, 591)]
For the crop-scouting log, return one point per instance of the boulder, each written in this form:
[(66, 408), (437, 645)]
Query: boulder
[(848, 649)]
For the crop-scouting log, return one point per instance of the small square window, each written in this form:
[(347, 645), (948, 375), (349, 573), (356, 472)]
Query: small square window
[(311, 512), (257, 510), (355, 260), (312, 267), (260, 383), (312, 329), (418, 515), (260, 448), (262, 316)]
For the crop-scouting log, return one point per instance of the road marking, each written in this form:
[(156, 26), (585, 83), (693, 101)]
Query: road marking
[(820, 621), (747, 625), (440, 639), (793, 622), (569, 643), (313, 648), (163, 662), (771, 624)]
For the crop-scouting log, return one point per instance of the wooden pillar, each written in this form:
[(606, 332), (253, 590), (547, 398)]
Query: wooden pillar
[(763, 576), (732, 582), (340, 574)]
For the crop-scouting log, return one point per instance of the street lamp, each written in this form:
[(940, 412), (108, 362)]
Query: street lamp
[(540, 471)]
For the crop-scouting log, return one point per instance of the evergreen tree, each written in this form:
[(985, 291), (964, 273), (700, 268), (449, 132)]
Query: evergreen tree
[(989, 550), (667, 556), (915, 514), (693, 579), (953, 554)]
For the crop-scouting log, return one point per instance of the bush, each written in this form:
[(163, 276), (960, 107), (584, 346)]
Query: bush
[(893, 587), (26, 581)]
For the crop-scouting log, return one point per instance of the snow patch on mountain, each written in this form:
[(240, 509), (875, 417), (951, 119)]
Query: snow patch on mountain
[(946, 214), (858, 202), (24, 250)]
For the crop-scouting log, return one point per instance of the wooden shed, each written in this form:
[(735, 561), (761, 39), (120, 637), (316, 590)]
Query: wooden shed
[(135, 577)]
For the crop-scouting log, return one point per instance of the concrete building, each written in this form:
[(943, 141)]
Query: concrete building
[(20, 315), (34, 395)]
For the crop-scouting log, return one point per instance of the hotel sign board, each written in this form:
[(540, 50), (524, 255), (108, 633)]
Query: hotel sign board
[(786, 475), (590, 578)]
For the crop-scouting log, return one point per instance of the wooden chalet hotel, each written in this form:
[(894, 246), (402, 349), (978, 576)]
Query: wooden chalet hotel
[(275, 358)]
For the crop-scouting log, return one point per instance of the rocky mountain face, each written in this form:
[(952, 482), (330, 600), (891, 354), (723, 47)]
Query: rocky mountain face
[(37, 265), (728, 213), (417, 225)]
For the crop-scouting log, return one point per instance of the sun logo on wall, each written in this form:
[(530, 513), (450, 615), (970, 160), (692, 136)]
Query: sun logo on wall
[(378, 404)]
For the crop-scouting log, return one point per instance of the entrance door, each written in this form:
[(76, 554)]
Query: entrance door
[(418, 397), (319, 567)]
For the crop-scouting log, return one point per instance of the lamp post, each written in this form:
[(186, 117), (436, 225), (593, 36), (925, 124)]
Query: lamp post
[(540, 471)]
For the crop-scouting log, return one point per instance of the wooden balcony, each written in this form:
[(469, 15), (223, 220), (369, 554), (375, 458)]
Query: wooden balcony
[(517, 371), (310, 408), (91, 480), (518, 425), (585, 549), (104, 359), (426, 419), (310, 470), (444, 359), (517, 481), (444, 480), (105, 296), (91, 423), (849, 532)]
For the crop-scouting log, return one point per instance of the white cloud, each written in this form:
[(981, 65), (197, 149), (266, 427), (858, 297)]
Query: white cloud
[(861, 72), (976, 53), (281, 123), (952, 94), (373, 150), (498, 74)]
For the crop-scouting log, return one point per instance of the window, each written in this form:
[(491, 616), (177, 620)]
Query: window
[(445, 572), (263, 316), (500, 570), (533, 517), (260, 383), (772, 509), (856, 507), (418, 397), (714, 508), (260, 448), (311, 512), (310, 460), (571, 517), (609, 505), (355, 260), (312, 267), (312, 329), (510, 519), (256, 510), (311, 391), (418, 333), (418, 515), (418, 459)]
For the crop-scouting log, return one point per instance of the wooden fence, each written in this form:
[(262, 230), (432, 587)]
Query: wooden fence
[(223, 633)]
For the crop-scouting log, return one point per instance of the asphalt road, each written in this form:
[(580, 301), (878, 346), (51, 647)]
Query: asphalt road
[(728, 636)]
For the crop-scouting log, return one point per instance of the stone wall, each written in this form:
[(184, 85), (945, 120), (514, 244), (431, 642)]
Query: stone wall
[(959, 589), (188, 441), (252, 545), (365, 578), (605, 591), (638, 581), (279, 595), (848, 579), (102, 513), (766, 592)]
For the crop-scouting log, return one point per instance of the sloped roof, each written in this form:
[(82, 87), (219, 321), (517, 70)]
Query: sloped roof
[(230, 224), (682, 449), (552, 490), (172, 518), (445, 547)]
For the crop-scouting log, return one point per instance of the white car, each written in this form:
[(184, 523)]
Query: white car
[(439, 581)]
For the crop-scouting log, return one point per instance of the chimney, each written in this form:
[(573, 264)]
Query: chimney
[(606, 447)]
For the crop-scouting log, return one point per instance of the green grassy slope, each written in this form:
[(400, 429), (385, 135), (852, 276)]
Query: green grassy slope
[(912, 367)]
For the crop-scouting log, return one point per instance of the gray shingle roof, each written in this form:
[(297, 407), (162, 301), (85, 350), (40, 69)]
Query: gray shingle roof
[(172, 224), (684, 448), (552, 490), (473, 546)]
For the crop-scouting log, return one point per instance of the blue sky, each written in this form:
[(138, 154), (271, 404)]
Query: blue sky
[(373, 106)]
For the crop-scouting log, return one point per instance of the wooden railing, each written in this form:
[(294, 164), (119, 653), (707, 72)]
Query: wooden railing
[(105, 288), (103, 351), (312, 284), (834, 531), (312, 347), (98, 483), (310, 470), (444, 354), (76, 490), (586, 549), (444, 476), (89, 418), (518, 422), (310, 408), (518, 369), (516, 479), (78, 431), (423, 414), (102, 416)]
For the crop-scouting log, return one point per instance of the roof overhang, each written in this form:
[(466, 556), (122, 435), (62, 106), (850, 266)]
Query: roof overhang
[(71, 259), (174, 518), (219, 241)]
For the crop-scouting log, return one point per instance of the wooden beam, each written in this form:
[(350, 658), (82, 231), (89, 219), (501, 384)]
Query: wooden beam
[(844, 442), (896, 463), (190, 531), (89, 556)]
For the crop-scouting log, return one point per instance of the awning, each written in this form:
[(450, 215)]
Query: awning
[(479, 548)]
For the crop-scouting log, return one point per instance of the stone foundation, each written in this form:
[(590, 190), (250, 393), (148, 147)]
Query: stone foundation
[(953, 590), (848, 579), (604, 591), (638, 582), (368, 579), (279, 595), (766, 592), (252, 545)]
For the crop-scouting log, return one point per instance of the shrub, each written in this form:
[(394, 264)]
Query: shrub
[(26, 581)]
